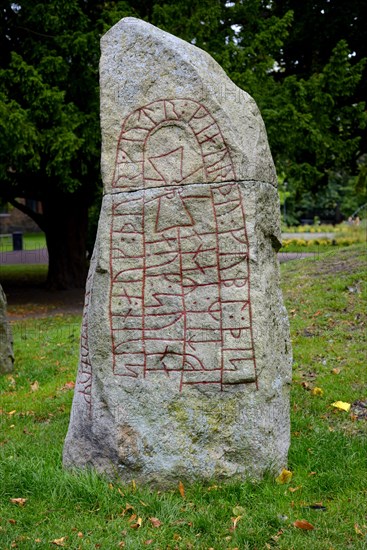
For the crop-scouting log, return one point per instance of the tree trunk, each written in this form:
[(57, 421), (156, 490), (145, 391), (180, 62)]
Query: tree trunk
[(65, 224)]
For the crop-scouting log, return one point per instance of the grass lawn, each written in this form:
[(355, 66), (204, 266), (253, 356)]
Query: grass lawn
[(31, 241), (326, 300), (23, 274)]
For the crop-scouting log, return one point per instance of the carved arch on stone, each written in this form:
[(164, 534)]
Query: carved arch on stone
[(135, 167)]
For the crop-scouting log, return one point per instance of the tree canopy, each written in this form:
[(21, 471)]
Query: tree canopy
[(303, 62)]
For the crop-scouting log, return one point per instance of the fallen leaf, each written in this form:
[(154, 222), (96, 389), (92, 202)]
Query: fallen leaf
[(294, 489), (317, 391), (357, 529), (80, 534), (12, 521), (35, 386), (181, 488), (238, 510), (235, 521), (121, 544), (137, 524), (312, 474), (133, 485), (303, 524), (37, 540), (12, 412), (277, 536), (19, 501), (59, 542), (155, 522), (341, 405), (284, 477), (132, 517), (68, 386), (119, 491), (149, 541), (336, 370), (127, 508), (176, 536)]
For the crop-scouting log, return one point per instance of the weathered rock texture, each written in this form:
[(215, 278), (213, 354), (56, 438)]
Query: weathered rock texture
[(6, 340), (185, 354)]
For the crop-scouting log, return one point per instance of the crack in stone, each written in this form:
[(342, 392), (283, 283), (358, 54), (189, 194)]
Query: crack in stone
[(204, 183)]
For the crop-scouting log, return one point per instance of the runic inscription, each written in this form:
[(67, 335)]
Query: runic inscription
[(84, 379), (180, 279)]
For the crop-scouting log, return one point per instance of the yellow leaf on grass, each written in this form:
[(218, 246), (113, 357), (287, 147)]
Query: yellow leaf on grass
[(59, 542), (68, 386), (341, 405), (19, 501), (317, 391), (303, 524), (181, 488), (127, 508), (137, 524), (357, 529), (284, 477), (12, 412), (35, 386), (235, 521), (294, 489)]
